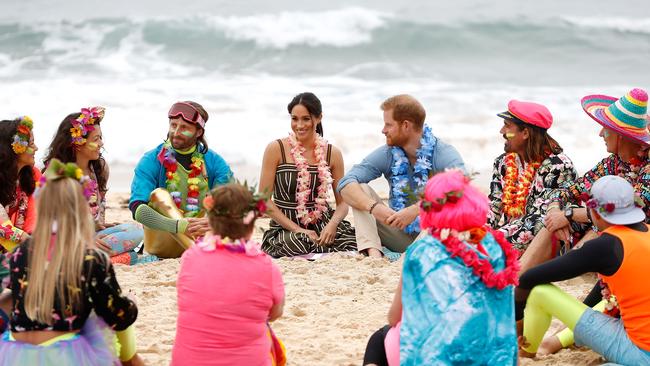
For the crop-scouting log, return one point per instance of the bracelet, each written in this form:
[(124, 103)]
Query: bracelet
[(373, 206)]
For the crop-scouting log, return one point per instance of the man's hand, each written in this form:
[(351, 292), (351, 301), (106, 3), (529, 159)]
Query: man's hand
[(197, 227), (555, 220), (404, 217), (382, 212)]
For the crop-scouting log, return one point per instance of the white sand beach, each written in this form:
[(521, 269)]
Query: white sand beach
[(332, 305)]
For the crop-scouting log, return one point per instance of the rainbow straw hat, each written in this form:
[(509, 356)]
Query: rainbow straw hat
[(626, 116)]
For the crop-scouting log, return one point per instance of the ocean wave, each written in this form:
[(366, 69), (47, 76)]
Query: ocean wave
[(350, 42)]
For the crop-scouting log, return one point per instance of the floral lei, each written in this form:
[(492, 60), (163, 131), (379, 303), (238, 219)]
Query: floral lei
[(169, 162), (455, 244), (23, 132), (399, 180), (211, 243), (611, 305), (84, 124), (516, 189), (305, 216)]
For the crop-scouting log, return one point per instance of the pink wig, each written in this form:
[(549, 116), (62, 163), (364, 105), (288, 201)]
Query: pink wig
[(469, 211)]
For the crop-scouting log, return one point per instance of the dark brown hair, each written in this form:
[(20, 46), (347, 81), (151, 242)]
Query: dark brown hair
[(313, 105), (405, 107), (9, 166), (539, 144), (63, 149), (232, 202)]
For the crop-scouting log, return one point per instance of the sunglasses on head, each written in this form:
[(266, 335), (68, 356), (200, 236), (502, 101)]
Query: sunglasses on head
[(187, 112)]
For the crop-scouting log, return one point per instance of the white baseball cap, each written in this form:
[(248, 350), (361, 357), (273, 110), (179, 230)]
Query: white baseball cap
[(613, 199)]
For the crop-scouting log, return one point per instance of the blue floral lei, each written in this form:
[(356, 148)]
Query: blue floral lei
[(399, 181)]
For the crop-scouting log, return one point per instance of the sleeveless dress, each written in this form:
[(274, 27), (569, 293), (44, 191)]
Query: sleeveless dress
[(279, 242)]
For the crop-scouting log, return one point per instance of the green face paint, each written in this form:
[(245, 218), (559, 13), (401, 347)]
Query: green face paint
[(29, 150), (606, 133), (187, 134)]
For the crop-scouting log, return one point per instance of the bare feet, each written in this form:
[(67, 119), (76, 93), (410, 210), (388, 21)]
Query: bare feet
[(550, 345), (373, 252), (134, 361)]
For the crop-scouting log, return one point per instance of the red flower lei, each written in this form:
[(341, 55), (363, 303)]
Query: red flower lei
[(481, 267), (515, 190)]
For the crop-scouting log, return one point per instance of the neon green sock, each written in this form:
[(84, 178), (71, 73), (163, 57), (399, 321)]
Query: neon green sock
[(545, 302), (126, 340)]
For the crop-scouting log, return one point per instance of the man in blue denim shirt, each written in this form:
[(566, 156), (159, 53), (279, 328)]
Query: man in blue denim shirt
[(411, 155)]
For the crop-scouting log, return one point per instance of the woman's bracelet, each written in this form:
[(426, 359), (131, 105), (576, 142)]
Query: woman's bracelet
[(373, 206)]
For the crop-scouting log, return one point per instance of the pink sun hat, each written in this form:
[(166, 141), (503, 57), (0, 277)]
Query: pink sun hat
[(528, 112), (627, 116)]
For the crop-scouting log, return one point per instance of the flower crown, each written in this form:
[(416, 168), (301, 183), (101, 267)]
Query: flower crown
[(57, 170), (256, 207), (23, 132), (607, 207), (449, 197), (84, 124)]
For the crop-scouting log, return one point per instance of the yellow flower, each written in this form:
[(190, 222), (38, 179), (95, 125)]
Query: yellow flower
[(75, 131), (78, 173)]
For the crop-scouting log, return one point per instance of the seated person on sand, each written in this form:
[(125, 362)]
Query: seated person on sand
[(411, 155), (443, 312), (229, 289), (58, 279), (299, 170), (17, 207), (627, 139), (171, 180), (79, 140), (533, 164), (620, 258)]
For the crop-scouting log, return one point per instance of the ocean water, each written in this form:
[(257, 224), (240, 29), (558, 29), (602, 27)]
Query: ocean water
[(245, 60)]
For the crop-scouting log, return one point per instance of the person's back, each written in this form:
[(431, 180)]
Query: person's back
[(223, 306), (228, 290), (449, 308)]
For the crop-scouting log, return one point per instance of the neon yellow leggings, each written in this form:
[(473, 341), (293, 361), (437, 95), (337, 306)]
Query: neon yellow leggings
[(566, 335), (125, 343), (544, 303)]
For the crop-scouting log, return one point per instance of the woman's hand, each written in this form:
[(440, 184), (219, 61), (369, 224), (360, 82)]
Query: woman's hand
[(310, 233), (102, 244), (328, 234)]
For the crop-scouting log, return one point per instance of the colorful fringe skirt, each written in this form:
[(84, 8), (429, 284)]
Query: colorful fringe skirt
[(94, 345)]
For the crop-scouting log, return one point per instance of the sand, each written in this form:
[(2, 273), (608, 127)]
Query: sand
[(332, 305)]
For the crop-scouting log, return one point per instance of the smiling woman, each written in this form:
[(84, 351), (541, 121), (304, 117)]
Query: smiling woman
[(302, 221)]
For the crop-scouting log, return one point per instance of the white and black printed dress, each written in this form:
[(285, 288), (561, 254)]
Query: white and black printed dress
[(279, 242)]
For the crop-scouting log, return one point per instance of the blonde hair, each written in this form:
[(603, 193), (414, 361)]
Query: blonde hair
[(405, 107), (61, 204)]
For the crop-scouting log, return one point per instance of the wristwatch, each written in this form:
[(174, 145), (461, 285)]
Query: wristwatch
[(568, 213)]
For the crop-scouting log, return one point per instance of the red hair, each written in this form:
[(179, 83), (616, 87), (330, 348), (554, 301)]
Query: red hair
[(467, 212)]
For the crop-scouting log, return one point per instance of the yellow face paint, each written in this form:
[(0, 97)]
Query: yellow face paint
[(93, 145), (510, 135)]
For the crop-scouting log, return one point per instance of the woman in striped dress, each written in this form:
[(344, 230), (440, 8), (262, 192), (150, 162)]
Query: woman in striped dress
[(299, 170)]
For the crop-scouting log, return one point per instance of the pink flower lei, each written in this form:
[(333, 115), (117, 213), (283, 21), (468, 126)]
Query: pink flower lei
[(211, 243), (455, 244), (304, 179)]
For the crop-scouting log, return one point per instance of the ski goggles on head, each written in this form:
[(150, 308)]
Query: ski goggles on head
[(187, 112)]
